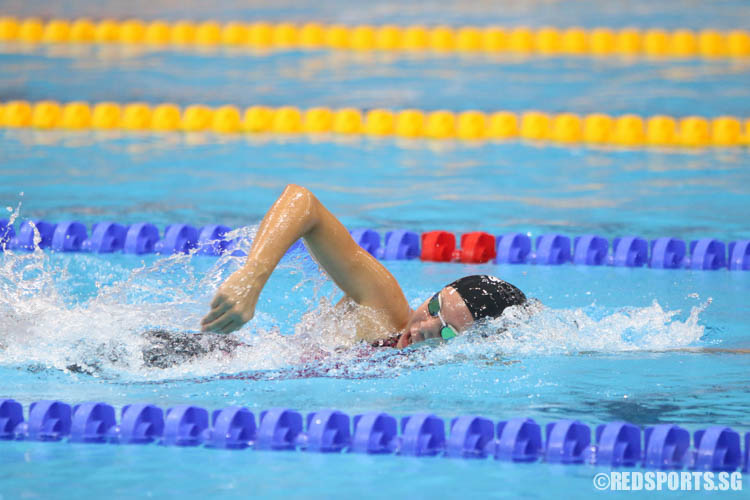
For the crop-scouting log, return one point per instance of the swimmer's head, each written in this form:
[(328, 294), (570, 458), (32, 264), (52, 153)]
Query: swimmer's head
[(461, 303)]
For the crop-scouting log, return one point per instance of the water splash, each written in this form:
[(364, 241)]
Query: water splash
[(536, 330), (574, 331), (47, 322)]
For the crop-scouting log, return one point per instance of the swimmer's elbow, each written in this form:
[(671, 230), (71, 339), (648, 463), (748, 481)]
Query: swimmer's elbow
[(296, 194), (299, 200), (294, 189)]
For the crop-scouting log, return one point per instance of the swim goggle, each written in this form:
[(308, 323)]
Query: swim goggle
[(433, 307)]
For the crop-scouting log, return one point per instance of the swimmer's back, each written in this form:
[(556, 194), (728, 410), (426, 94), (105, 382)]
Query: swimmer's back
[(165, 349)]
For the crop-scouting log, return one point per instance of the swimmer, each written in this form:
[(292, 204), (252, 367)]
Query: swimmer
[(372, 296)]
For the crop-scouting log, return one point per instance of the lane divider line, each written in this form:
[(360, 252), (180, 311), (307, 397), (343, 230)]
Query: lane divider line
[(434, 246), (440, 39), (569, 442), (567, 129)]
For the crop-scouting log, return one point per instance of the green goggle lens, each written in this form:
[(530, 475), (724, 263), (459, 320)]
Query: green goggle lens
[(447, 333), (433, 306)]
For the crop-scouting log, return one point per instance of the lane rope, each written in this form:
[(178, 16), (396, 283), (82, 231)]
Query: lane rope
[(549, 41), (519, 440), (628, 130), (434, 246)]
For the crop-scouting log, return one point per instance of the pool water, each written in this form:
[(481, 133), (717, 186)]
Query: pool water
[(609, 343)]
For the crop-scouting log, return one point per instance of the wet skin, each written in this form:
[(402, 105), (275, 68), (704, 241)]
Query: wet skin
[(423, 326)]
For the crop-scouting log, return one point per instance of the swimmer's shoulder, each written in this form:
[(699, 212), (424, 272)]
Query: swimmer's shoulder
[(371, 325)]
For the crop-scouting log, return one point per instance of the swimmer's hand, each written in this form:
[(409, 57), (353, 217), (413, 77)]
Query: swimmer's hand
[(234, 303)]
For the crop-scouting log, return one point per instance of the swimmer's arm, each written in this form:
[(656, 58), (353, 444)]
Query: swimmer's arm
[(298, 214)]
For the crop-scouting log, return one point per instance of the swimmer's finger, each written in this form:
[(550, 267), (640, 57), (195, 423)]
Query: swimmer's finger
[(219, 299), (208, 324), (231, 326), (218, 324), (215, 312)]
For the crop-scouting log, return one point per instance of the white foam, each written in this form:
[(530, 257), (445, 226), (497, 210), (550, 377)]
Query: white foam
[(41, 326)]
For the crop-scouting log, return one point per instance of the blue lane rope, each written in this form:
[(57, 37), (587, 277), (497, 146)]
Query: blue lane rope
[(663, 446), (440, 246)]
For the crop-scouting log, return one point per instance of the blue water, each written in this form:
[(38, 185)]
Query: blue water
[(609, 344), (340, 79)]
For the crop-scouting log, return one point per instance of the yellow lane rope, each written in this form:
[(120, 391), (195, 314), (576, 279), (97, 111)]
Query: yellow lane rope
[(563, 128), (707, 43)]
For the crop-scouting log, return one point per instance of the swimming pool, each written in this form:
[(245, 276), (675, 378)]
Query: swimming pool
[(601, 351)]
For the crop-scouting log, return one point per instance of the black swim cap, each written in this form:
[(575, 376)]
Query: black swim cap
[(487, 296)]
